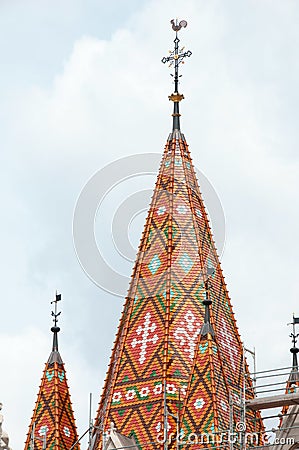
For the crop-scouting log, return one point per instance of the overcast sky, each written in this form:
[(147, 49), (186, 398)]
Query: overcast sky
[(81, 86)]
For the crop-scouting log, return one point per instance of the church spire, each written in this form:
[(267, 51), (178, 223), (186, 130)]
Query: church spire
[(156, 344), (176, 57), (53, 425)]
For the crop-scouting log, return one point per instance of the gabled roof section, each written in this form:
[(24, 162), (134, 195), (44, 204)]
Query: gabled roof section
[(212, 410), (53, 424), (206, 407)]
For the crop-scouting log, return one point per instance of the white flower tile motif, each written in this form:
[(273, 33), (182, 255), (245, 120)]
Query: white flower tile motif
[(170, 388), (131, 393), (157, 389), (116, 397), (144, 392)]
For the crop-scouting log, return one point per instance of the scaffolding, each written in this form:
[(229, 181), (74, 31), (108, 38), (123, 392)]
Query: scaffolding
[(273, 392)]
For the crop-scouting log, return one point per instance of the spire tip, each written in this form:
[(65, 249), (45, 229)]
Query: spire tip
[(294, 350), (175, 58), (55, 329)]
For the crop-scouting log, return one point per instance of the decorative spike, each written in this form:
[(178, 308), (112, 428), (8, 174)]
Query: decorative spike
[(293, 381), (294, 377), (53, 424), (55, 329)]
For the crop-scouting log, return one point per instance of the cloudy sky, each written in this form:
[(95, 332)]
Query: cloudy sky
[(81, 86)]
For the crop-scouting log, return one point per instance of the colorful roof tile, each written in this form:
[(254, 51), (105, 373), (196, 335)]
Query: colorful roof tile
[(53, 425)]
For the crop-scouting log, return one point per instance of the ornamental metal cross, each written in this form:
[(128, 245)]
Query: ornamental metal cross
[(178, 54)]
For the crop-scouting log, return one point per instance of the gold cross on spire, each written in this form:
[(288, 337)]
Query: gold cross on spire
[(176, 56)]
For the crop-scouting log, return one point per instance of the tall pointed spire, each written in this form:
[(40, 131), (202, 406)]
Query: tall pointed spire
[(156, 343), (53, 425)]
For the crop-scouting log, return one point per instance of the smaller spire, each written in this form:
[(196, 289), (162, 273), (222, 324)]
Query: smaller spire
[(207, 327), (175, 59), (294, 377), (55, 356), (53, 425)]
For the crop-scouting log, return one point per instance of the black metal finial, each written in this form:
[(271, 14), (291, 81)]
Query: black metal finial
[(55, 329), (294, 350), (176, 57), (207, 302)]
